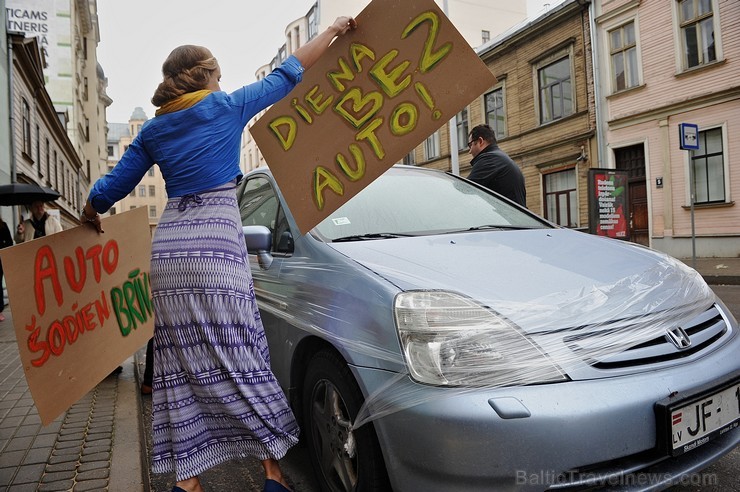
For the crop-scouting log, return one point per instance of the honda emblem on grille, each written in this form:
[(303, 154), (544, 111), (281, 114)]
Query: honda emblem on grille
[(678, 337)]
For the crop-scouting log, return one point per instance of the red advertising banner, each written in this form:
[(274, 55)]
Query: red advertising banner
[(81, 305), (608, 203)]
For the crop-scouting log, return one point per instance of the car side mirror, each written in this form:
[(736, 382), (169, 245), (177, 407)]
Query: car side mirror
[(259, 242), (285, 244)]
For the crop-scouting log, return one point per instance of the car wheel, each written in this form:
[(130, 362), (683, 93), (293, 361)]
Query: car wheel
[(343, 459)]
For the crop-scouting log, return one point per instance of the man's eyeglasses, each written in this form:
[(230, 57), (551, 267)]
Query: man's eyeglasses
[(470, 144)]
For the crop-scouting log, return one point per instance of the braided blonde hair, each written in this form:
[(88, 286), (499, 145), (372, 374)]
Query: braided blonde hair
[(186, 69)]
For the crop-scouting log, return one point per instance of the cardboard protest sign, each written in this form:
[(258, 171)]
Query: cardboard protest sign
[(376, 94), (81, 305)]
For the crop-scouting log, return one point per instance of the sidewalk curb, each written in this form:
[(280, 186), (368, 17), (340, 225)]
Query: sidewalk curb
[(127, 454), (144, 450), (722, 279)]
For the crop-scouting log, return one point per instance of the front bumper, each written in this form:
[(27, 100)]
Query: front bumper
[(546, 437)]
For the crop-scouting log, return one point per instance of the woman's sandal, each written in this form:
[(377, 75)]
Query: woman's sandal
[(274, 486)]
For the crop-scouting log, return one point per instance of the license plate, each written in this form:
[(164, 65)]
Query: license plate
[(700, 418)]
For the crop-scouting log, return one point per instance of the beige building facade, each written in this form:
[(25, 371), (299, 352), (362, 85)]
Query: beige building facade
[(150, 192), (41, 151), (66, 37), (542, 110), (664, 64)]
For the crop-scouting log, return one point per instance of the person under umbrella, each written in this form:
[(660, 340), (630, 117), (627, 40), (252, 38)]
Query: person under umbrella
[(5, 241), (40, 224)]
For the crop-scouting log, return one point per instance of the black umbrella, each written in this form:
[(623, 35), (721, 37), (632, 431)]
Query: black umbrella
[(25, 194)]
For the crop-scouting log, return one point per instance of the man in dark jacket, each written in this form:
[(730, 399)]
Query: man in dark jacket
[(494, 169)]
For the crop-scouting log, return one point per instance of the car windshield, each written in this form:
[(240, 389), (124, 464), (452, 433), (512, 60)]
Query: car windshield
[(408, 201)]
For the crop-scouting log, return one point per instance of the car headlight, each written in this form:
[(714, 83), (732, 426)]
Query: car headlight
[(448, 339)]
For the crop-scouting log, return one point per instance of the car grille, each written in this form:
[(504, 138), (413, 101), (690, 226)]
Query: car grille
[(703, 331)]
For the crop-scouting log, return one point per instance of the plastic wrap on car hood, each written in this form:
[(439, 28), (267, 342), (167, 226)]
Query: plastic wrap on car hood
[(546, 271), (560, 300)]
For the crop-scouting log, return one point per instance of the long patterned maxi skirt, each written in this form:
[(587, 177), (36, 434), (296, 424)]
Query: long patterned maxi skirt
[(215, 397)]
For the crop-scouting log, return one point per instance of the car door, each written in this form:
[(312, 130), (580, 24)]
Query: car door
[(259, 205)]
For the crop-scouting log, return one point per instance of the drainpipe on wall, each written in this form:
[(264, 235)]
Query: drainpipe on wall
[(11, 107), (599, 103), (11, 123), (452, 125)]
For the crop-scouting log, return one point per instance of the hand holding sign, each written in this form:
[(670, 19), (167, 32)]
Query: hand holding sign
[(87, 310), (377, 93)]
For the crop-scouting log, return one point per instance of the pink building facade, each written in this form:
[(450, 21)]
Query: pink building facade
[(661, 63)]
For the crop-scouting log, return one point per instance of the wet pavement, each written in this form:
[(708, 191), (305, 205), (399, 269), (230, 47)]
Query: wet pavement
[(103, 441)]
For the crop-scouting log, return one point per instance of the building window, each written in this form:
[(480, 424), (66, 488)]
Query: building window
[(110, 151), (151, 171), (112, 211), (462, 129), (561, 204), (26, 109), (48, 157), (282, 54), (38, 147), (431, 146), (409, 159), (709, 167), (495, 115), (313, 22), (623, 53), (152, 190), (485, 36), (142, 190), (133, 193), (556, 91), (697, 32), (152, 211)]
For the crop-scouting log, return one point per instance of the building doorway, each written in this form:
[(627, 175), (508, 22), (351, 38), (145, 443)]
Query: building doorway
[(632, 160)]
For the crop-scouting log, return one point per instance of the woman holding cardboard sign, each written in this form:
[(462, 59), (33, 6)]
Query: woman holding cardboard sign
[(215, 397)]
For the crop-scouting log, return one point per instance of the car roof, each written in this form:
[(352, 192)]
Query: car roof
[(266, 169)]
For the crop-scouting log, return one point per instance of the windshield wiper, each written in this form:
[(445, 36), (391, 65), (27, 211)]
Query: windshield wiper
[(374, 235), (489, 227)]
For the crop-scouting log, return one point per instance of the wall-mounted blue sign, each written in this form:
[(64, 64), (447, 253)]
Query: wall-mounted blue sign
[(689, 136)]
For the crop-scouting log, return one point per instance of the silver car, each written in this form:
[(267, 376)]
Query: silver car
[(432, 335)]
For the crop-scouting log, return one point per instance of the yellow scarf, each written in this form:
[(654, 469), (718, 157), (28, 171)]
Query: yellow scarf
[(185, 101)]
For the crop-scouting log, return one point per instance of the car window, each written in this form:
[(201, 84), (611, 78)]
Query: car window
[(258, 205), (418, 202)]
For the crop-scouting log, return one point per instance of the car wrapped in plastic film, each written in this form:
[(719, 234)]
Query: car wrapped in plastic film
[(433, 335)]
